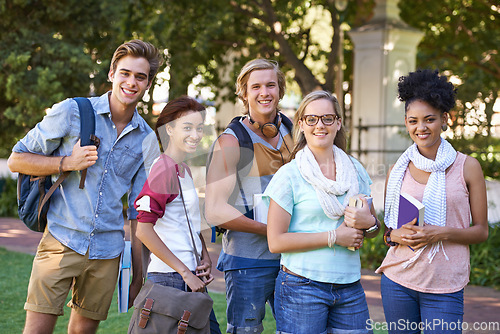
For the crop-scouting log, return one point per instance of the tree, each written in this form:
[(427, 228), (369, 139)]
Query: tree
[(52, 50), (462, 39), (205, 34)]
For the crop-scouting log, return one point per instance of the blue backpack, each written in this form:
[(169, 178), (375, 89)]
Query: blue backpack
[(33, 192)]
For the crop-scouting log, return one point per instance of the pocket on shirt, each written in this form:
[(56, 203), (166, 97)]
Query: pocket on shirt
[(126, 162)]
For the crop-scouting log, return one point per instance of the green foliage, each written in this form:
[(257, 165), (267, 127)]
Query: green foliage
[(373, 252), (485, 149), (462, 39), (215, 38), (53, 50), (8, 197), (485, 263)]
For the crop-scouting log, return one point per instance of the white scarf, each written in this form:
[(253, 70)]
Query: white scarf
[(327, 190), (435, 191), (434, 198)]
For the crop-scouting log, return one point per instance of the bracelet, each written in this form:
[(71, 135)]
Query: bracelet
[(60, 164), (373, 228), (387, 238), (332, 237)]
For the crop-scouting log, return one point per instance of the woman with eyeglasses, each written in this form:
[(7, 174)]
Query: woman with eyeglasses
[(318, 234)]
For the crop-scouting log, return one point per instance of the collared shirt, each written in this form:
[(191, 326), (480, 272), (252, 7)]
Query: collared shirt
[(91, 219)]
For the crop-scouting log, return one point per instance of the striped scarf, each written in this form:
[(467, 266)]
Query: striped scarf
[(434, 194), (435, 191)]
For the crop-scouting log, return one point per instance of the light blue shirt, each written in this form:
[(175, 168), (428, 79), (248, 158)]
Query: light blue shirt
[(296, 196), (91, 219)]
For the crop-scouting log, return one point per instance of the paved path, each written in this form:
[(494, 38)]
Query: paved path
[(482, 305)]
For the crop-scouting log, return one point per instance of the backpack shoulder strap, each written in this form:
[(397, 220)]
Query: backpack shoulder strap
[(87, 121), (287, 122), (87, 128), (244, 140)]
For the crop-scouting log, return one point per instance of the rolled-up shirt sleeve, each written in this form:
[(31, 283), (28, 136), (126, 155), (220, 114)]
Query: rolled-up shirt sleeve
[(57, 125)]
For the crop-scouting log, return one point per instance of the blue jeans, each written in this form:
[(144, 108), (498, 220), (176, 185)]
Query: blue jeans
[(175, 280), (410, 311), (307, 306), (247, 291)]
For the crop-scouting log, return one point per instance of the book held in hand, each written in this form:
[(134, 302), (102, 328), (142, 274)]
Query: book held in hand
[(260, 209), (124, 278), (409, 209), (356, 202)]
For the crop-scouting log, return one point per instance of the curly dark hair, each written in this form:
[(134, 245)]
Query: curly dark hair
[(427, 86)]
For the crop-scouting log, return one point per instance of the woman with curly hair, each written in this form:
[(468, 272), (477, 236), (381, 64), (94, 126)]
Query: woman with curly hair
[(427, 267)]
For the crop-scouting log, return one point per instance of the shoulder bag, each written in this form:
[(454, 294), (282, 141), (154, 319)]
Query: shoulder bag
[(164, 309)]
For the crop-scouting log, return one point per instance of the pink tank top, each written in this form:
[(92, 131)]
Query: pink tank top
[(441, 275)]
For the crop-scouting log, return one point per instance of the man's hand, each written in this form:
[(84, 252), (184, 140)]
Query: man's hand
[(81, 158)]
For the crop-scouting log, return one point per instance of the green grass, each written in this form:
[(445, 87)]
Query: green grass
[(14, 277)]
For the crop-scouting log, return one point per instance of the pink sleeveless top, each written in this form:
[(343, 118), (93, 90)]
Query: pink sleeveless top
[(441, 275)]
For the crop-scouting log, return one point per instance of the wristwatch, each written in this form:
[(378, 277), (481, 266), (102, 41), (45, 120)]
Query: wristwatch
[(373, 228)]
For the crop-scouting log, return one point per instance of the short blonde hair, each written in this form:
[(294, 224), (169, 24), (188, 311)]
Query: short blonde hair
[(255, 65)]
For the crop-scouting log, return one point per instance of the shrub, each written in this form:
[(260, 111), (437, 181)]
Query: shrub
[(8, 197), (485, 262)]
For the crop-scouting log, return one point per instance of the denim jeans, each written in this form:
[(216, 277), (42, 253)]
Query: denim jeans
[(175, 280), (247, 291), (409, 311), (306, 306)]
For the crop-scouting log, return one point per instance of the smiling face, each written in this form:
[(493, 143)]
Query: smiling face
[(319, 136), (424, 123), (262, 94), (130, 81), (185, 134)]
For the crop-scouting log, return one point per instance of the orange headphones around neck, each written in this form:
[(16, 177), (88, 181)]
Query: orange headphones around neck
[(269, 130)]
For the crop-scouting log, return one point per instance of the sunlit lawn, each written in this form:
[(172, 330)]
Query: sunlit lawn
[(14, 276)]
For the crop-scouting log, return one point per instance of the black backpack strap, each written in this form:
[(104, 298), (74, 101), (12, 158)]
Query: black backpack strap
[(245, 141), (87, 129), (287, 122)]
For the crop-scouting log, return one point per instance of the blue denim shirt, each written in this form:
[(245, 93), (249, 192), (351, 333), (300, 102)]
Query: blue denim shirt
[(92, 218)]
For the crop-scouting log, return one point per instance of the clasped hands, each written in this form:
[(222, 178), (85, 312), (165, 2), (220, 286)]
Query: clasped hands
[(351, 232)]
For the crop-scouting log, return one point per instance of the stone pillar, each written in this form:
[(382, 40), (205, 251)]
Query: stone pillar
[(384, 49)]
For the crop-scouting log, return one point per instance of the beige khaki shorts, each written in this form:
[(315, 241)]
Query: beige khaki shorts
[(57, 269)]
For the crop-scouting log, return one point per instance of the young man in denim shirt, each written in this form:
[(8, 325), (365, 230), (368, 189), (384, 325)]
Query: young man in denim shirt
[(84, 237), (250, 270)]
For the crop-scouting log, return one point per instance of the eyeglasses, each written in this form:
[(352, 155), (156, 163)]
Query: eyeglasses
[(327, 119)]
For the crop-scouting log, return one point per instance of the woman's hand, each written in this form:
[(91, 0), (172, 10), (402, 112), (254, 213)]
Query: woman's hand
[(360, 218), (419, 236), (348, 236), (204, 271), (194, 282), (405, 230)]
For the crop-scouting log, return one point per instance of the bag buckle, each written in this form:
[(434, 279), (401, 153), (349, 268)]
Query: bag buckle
[(146, 312), (184, 322)]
